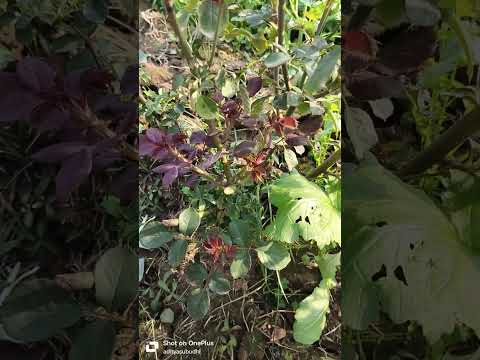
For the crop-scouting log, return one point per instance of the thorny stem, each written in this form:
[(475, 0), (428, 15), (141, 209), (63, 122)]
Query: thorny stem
[(90, 120), (332, 159), (281, 36), (445, 143), (194, 168), (221, 13), (185, 48), (320, 28)]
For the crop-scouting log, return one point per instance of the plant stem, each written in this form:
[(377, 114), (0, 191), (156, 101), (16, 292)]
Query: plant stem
[(323, 20), (89, 119), (320, 28), (445, 143), (221, 13), (332, 159), (184, 47), (281, 38)]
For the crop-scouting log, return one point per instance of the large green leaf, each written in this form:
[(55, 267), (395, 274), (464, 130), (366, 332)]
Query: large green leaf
[(241, 264), (189, 221), (428, 275), (95, 341), (240, 231), (219, 284), (198, 303), (273, 256), (310, 316), (196, 274), (276, 59), (154, 235), (208, 18), (177, 252), (303, 210), (35, 311), (116, 278), (95, 11), (206, 108), (323, 71)]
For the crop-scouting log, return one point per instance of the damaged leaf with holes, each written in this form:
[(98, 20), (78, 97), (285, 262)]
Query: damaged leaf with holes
[(403, 256)]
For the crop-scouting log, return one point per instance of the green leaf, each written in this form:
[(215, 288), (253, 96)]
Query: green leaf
[(189, 221), (206, 108), (323, 71), (167, 316), (422, 12), (290, 159), (391, 12), (37, 310), (196, 274), (219, 284), (414, 236), (95, 11), (276, 59), (154, 235), (310, 316), (240, 231), (241, 264), (328, 265), (382, 108), (273, 256), (361, 130), (198, 304), (229, 89), (303, 210), (177, 252), (95, 341), (116, 278), (208, 17), (6, 56)]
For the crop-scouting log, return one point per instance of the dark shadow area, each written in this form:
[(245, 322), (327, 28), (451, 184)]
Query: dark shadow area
[(411, 161), (68, 179)]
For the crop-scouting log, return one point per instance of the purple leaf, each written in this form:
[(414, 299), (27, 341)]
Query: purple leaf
[(18, 105), (198, 137), (155, 135), (310, 124), (48, 117), (254, 85), (210, 160), (250, 122), (192, 180), (170, 173), (370, 86), (60, 152), (36, 74), (125, 185), (296, 140), (74, 171), (105, 154), (129, 82), (244, 149), (217, 97)]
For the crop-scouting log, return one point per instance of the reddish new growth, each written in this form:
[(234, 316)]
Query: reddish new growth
[(282, 125), (216, 247), (256, 165)]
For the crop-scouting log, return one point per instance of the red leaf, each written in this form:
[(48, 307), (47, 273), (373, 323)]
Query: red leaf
[(289, 122), (358, 43)]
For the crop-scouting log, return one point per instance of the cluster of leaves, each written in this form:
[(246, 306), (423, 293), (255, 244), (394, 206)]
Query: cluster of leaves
[(231, 131), (406, 254), (38, 309), (76, 111)]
